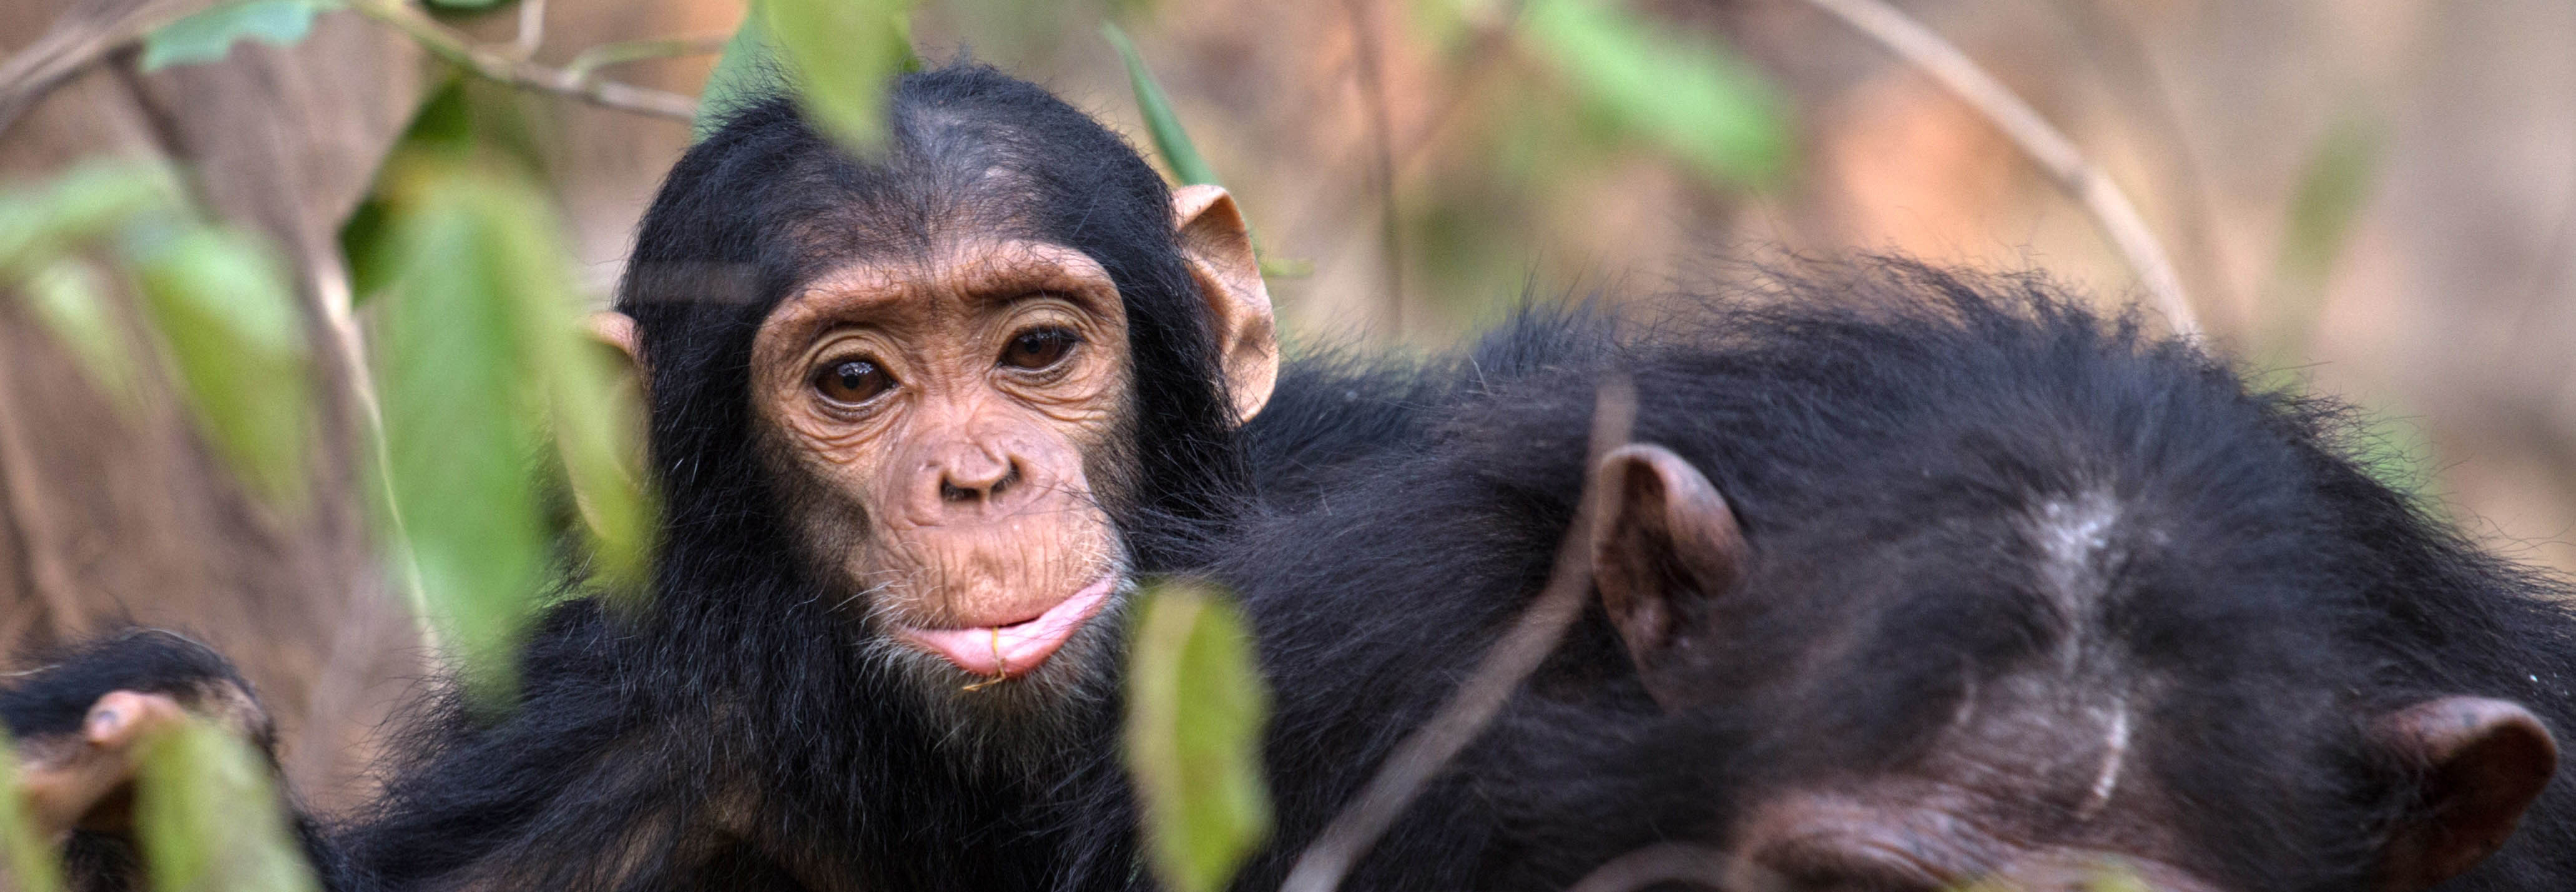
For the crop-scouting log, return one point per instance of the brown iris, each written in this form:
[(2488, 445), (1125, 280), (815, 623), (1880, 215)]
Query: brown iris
[(1039, 348), (853, 381)]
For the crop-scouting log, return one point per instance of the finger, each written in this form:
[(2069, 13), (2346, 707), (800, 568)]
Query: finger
[(64, 786)]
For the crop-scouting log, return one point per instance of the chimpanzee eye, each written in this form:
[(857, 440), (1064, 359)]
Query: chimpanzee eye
[(853, 381), (1039, 348)]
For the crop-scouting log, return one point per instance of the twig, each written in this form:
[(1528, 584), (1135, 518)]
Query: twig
[(92, 31), (1382, 133), (532, 30), (623, 52), (2123, 59), (446, 43), (1429, 748), (2054, 153), (79, 39)]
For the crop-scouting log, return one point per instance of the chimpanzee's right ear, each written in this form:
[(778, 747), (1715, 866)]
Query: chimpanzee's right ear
[(1664, 535), (617, 330), (2478, 763)]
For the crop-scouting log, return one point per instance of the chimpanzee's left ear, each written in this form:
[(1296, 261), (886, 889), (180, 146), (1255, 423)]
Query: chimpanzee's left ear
[(2479, 762), (1218, 248), (1664, 536)]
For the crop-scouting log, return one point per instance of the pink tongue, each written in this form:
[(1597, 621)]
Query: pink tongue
[(1013, 650)]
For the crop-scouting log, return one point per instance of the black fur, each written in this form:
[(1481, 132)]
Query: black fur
[(1879, 431), (55, 699), (741, 731), (742, 697)]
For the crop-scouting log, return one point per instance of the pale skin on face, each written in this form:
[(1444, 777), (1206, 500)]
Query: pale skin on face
[(961, 392)]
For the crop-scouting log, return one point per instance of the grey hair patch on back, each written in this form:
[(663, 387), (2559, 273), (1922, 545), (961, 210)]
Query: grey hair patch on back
[(2072, 537)]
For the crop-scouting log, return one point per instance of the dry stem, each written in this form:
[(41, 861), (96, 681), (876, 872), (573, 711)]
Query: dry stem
[(2054, 153), (446, 43)]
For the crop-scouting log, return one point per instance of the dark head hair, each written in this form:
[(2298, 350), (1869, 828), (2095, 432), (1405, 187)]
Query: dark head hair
[(766, 202)]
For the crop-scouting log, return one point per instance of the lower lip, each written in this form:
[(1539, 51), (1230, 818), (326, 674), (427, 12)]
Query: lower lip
[(1017, 649)]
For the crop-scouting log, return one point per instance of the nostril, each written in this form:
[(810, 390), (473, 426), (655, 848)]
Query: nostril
[(950, 492), (1010, 478)]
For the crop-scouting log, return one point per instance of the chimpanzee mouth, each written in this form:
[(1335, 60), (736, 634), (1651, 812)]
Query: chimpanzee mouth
[(1000, 652)]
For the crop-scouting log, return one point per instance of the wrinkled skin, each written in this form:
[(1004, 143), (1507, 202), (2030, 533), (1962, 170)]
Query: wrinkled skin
[(958, 402)]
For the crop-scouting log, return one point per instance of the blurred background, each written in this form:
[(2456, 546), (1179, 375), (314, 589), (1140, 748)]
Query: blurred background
[(2373, 198)]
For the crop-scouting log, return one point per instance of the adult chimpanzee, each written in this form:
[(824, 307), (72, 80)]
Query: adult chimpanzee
[(1909, 581), (917, 422)]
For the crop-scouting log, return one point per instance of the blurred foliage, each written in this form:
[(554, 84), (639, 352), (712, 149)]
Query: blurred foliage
[(2334, 185), (209, 818), (1703, 105), (1170, 140), (840, 55), (483, 354), (25, 859), (1195, 707), (742, 70), (225, 309), (464, 121), (2331, 190), (1555, 97), (70, 298), (220, 311), (209, 35)]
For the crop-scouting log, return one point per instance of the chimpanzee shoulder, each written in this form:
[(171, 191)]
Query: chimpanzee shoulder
[(1336, 406)]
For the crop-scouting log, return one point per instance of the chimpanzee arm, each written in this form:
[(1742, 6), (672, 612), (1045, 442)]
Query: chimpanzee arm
[(587, 781), (571, 789), (77, 721)]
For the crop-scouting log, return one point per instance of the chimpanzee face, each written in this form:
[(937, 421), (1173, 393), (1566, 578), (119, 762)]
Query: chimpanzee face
[(945, 411), (977, 398)]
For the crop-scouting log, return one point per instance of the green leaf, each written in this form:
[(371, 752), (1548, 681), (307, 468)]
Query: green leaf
[(1701, 104), (210, 820), (1195, 706), (483, 353), (70, 297), (463, 120), (742, 72), (2331, 192), (208, 36), (38, 224), (461, 426), (1170, 141), (841, 55), (226, 312), (25, 859)]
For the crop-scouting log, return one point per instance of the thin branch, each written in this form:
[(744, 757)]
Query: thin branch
[(532, 30), (2054, 153), (624, 52), (1382, 134), (446, 43), (81, 37), (2123, 59), (1429, 748)]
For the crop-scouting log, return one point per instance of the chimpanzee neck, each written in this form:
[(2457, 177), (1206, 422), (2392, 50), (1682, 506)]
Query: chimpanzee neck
[(834, 747)]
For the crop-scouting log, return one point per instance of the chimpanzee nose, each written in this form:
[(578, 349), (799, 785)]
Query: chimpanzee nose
[(973, 475)]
